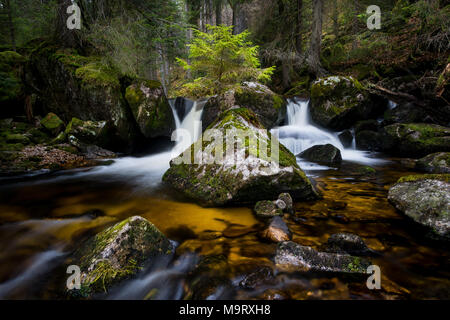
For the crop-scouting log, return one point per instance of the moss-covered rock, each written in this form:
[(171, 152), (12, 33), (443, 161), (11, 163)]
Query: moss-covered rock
[(267, 209), (99, 133), (338, 102), (247, 175), (435, 163), (11, 84), (150, 108), (52, 123), (322, 153), (425, 199), (292, 257), (404, 113), (118, 253), (71, 85), (346, 138), (269, 107), (415, 139), (369, 140)]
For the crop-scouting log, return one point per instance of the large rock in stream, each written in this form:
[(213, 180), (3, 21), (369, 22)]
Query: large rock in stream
[(291, 257), (415, 139), (425, 199), (150, 108), (118, 253), (323, 154), (71, 85), (337, 102), (435, 163), (243, 176), (270, 108)]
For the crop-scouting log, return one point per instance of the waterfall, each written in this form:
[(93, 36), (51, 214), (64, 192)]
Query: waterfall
[(189, 129), (146, 172), (300, 133)]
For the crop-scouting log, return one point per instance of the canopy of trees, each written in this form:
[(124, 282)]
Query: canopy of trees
[(300, 37)]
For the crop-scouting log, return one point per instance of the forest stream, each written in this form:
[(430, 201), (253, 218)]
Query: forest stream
[(44, 217)]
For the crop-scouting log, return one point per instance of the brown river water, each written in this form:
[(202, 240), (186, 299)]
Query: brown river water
[(43, 218)]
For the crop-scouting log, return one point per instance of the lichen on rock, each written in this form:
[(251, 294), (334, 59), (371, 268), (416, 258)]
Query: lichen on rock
[(247, 175), (425, 199), (337, 102), (118, 253), (150, 108)]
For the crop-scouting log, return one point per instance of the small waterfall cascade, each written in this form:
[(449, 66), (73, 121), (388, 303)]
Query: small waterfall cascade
[(300, 133)]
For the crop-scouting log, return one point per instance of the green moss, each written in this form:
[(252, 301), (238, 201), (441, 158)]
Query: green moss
[(366, 170), (10, 60), (97, 74), (413, 178), (278, 102), (52, 122), (11, 86)]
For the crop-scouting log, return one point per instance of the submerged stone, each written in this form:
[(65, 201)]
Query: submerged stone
[(118, 253), (276, 231), (425, 199), (244, 175), (291, 257), (347, 243)]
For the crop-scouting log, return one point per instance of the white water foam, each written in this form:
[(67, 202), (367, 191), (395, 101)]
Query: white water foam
[(300, 133)]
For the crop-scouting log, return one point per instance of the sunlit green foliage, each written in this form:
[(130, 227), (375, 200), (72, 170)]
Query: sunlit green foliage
[(220, 60)]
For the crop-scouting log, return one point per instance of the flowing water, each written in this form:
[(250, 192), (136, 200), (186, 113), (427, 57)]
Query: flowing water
[(44, 217)]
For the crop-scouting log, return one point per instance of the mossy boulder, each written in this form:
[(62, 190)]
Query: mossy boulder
[(425, 199), (369, 140), (346, 138), (100, 133), (52, 123), (71, 85), (150, 108), (415, 139), (267, 209), (404, 113), (269, 107), (248, 175), (11, 84), (322, 153), (293, 257), (118, 253), (367, 125), (435, 163), (337, 102)]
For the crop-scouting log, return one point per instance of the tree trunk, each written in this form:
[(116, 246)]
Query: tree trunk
[(235, 9), (286, 70), (11, 25), (218, 8), (335, 19), (316, 40), (65, 36), (355, 24), (299, 37)]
